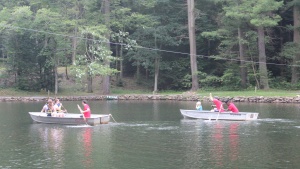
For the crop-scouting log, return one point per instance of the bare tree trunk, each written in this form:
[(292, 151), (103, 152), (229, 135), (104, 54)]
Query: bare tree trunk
[(192, 38), (90, 84), (156, 75), (156, 67), (106, 78), (74, 39), (295, 69), (138, 72), (263, 71), (121, 63), (74, 45), (243, 67), (55, 80)]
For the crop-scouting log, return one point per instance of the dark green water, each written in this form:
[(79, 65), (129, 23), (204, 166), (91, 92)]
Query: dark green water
[(151, 134)]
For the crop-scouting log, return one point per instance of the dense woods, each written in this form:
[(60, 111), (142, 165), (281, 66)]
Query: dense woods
[(163, 44)]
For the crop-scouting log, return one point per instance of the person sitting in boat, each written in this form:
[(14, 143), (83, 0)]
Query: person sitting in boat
[(217, 102), (199, 106), (214, 109), (86, 109), (49, 108), (231, 107), (58, 108)]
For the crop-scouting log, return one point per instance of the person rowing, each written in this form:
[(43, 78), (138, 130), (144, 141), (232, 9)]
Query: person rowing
[(58, 108), (217, 102), (49, 108), (231, 107), (86, 109)]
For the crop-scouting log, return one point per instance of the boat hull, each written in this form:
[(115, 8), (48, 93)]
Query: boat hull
[(70, 119), (208, 115)]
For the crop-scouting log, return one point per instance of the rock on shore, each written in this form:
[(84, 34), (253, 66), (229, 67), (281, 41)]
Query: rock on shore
[(180, 97)]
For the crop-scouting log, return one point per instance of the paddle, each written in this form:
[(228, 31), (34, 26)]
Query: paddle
[(219, 112), (82, 114), (64, 108)]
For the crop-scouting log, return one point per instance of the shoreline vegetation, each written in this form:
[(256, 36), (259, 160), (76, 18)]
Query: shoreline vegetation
[(269, 96)]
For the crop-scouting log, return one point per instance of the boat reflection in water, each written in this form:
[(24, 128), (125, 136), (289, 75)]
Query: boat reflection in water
[(225, 143), (234, 141), (53, 142), (215, 144), (87, 145)]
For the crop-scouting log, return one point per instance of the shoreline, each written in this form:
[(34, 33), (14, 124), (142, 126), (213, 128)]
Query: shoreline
[(179, 97)]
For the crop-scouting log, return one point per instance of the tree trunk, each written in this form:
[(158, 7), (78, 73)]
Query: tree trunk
[(295, 69), (121, 63), (156, 75), (89, 84), (74, 45), (138, 72), (192, 38), (156, 66), (263, 71), (106, 78), (243, 67), (55, 80)]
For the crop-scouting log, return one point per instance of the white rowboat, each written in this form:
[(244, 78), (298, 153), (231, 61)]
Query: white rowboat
[(209, 115), (70, 119)]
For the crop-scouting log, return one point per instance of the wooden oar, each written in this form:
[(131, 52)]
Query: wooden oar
[(82, 114)]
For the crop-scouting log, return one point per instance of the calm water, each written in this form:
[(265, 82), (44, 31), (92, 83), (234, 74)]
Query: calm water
[(151, 135)]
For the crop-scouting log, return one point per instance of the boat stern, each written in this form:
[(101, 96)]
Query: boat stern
[(251, 116)]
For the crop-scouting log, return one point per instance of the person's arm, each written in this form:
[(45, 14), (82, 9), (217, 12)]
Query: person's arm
[(88, 109), (43, 109), (62, 107), (83, 111), (210, 97)]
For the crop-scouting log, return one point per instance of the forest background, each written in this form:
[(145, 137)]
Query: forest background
[(93, 45)]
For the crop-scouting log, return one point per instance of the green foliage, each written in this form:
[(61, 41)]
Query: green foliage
[(37, 36), (231, 78), (97, 54), (282, 84), (211, 81), (290, 49)]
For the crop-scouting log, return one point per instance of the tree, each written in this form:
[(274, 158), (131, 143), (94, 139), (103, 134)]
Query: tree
[(106, 78), (192, 38), (296, 40), (93, 62), (53, 47), (262, 17)]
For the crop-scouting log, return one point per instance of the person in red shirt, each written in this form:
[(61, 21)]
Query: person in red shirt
[(217, 102), (86, 109), (231, 106)]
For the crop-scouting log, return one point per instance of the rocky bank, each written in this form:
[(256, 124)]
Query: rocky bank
[(180, 97)]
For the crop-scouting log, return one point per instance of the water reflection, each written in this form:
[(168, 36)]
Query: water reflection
[(53, 142), (217, 144), (87, 144), (152, 135), (234, 141), (225, 142)]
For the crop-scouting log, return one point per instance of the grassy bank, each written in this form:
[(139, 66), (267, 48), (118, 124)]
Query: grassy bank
[(122, 91), (72, 88)]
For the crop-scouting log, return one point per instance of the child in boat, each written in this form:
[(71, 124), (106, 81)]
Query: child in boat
[(57, 106), (199, 106), (49, 108)]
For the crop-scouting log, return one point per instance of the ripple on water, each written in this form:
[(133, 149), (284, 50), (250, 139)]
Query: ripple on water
[(269, 120)]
